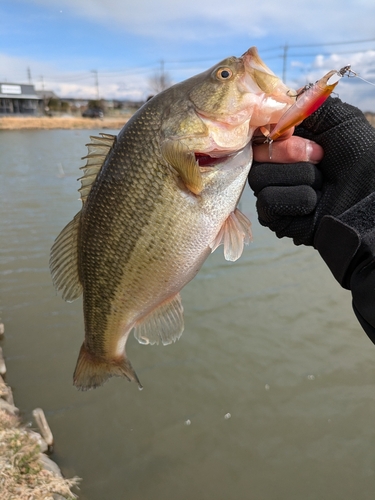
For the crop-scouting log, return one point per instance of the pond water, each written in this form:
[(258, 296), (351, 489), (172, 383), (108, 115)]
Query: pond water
[(268, 395)]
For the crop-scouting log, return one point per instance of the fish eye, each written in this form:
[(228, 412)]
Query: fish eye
[(224, 73)]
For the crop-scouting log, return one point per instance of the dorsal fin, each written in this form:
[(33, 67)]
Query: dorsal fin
[(64, 252), (98, 150)]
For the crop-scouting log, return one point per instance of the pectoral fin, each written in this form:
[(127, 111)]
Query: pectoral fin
[(166, 323), (183, 161), (233, 234)]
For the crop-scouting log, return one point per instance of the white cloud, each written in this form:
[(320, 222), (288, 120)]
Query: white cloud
[(15, 68), (71, 84), (135, 91), (136, 87), (318, 20), (266, 24), (352, 90)]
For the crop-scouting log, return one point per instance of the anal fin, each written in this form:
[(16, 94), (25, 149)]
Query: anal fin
[(165, 323), (233, 234)]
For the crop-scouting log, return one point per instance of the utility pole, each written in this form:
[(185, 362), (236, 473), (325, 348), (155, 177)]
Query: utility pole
[(45, 107), (285, 61), (29, 75), (95, 71)]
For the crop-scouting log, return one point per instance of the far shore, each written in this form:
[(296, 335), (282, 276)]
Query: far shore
[(61, 122), (74, 122)]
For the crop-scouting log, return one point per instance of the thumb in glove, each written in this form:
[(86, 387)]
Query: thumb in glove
[(293, 198)]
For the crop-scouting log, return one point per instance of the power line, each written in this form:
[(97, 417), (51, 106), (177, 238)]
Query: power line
[(287, 47), (332, 43), (312, 54), (283, 52)]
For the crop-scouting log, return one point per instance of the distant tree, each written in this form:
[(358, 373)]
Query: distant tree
[(160, 80), (54, 104), (94, 104), (65, 106)]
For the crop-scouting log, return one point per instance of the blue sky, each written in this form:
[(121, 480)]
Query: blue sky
[(63, 41)]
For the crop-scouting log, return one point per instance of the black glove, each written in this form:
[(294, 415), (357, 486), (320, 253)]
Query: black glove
[(293, 198), (330, 205)]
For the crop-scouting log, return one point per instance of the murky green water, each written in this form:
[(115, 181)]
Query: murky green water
[(269, 394)]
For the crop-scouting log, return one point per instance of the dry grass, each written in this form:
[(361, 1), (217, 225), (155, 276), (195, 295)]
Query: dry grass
[(71, 122), (22, 475), (60, 122)]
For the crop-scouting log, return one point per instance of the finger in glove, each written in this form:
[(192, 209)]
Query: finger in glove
[(296, 174)]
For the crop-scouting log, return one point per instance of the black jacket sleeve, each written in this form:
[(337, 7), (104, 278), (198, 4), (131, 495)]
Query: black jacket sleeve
[(347, 245), (330, 205)]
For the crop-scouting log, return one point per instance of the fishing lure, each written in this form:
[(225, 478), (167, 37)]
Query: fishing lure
[(308, 100)]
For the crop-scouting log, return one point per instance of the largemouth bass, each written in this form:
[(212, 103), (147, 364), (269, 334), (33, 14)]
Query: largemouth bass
[(157, 200)]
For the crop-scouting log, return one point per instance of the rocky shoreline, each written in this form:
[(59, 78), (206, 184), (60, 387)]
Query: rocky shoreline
[(26, 471)]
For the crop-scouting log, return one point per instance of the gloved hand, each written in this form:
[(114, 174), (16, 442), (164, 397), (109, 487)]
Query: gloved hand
[(293, 198), (330, 205)]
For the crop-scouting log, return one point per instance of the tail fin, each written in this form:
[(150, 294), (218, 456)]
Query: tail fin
[(91, 371)]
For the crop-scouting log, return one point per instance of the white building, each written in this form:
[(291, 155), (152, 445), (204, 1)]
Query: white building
[(18, 99)]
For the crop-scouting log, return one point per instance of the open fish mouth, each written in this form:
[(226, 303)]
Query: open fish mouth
[(205, 160), (216, 157)]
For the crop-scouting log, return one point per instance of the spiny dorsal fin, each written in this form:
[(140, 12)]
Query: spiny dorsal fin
[(64, 261), (166, 323), (64, 252), (98, 150), (183, 161), (235, 231)]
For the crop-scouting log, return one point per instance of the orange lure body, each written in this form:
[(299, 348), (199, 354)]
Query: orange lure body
[(306, 103)]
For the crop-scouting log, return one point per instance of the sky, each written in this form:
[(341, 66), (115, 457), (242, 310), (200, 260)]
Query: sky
[(62, 45)]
